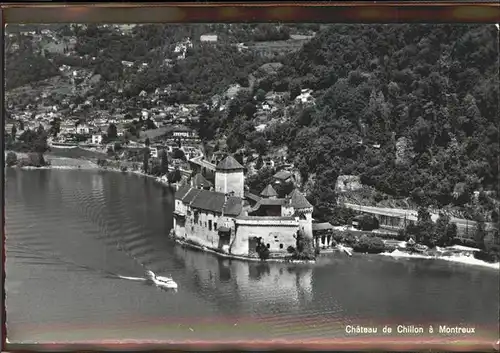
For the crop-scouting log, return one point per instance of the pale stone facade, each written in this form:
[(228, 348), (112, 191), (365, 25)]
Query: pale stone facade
[(227, 182)]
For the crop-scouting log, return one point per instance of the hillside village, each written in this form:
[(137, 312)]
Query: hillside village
[(208, 91)]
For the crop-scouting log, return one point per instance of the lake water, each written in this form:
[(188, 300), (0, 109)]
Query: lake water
[(70, 234)]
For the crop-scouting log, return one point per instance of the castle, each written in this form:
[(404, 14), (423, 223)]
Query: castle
[(223, 216)]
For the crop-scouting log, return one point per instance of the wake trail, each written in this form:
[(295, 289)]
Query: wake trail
[(42, 255)]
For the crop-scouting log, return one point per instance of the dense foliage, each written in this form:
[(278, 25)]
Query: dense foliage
[(427, 94)]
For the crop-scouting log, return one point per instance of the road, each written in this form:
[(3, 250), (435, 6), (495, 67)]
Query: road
[(203, 163), (410, 215)]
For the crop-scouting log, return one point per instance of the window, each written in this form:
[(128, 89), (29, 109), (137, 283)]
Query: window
[(215, 225), (209, 225), (268, 246), (281, 246)]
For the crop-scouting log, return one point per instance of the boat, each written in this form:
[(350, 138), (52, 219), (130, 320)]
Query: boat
[(160, 281)]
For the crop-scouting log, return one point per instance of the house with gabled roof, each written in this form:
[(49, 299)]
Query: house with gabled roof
[(220, 216)]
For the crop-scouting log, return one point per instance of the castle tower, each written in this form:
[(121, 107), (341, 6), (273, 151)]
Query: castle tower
[(303, 210), (229, 177)]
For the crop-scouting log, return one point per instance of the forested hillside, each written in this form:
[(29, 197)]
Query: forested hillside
[(412, 109), (427, 94)]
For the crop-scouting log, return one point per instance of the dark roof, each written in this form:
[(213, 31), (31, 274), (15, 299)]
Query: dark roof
[(268, 191), (233, 206), (282, 175), (191, 195), (182, 191), (321, 226), (297, 200), (271, 202), (209, 201), (229, 163), (216, 202), (268, 202), (253, 197), (200, 181)]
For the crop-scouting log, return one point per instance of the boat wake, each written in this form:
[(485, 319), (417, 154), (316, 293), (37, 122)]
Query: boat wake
[(34, 254), (140, 279)]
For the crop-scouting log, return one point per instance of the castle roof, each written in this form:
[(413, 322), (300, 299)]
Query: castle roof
[(282, 175), (229, 163), (321, 226), (200, 181), (253, 197), (268, 202), (216, 202), (268, 191), (298, 201), (182, 191), (190, 195), (233, 206)]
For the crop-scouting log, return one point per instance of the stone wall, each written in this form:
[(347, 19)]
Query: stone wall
[(278, 236)]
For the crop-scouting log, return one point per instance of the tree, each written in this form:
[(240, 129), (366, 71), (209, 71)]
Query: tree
[(480, 232), (259, 163), (370, 245), (112, 132), (14, 131), (145, 164), (164, 162), (11, 159), (260, 95), (147, 142), (179, 154), (445, 231), (55, 127), (426, 229), (294, 90)]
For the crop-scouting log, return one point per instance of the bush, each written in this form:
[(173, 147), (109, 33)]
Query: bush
[(350, 239), (334, 243), (123, 168), (338, 237), (370, 245), (367, 222), (488, 256), (11, 159), (290, 249)]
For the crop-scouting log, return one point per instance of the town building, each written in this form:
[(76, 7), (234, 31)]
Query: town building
[(223, 219), (96, 139), (210, 38)]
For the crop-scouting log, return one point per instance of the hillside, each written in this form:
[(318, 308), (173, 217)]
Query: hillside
[(412, 109), (428, 95)]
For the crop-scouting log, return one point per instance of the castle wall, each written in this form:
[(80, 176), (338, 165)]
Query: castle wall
[(278, 234), (232, 181), (198, 230), (306, 226)]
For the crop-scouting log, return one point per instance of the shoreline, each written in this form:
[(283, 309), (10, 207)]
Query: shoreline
[(88, 165), (236, 257), (462, 259), (68, 163)]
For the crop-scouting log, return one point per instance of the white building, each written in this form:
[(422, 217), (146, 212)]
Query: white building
[(97, 139), (154, 152), (209, 38), (83, 129)]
